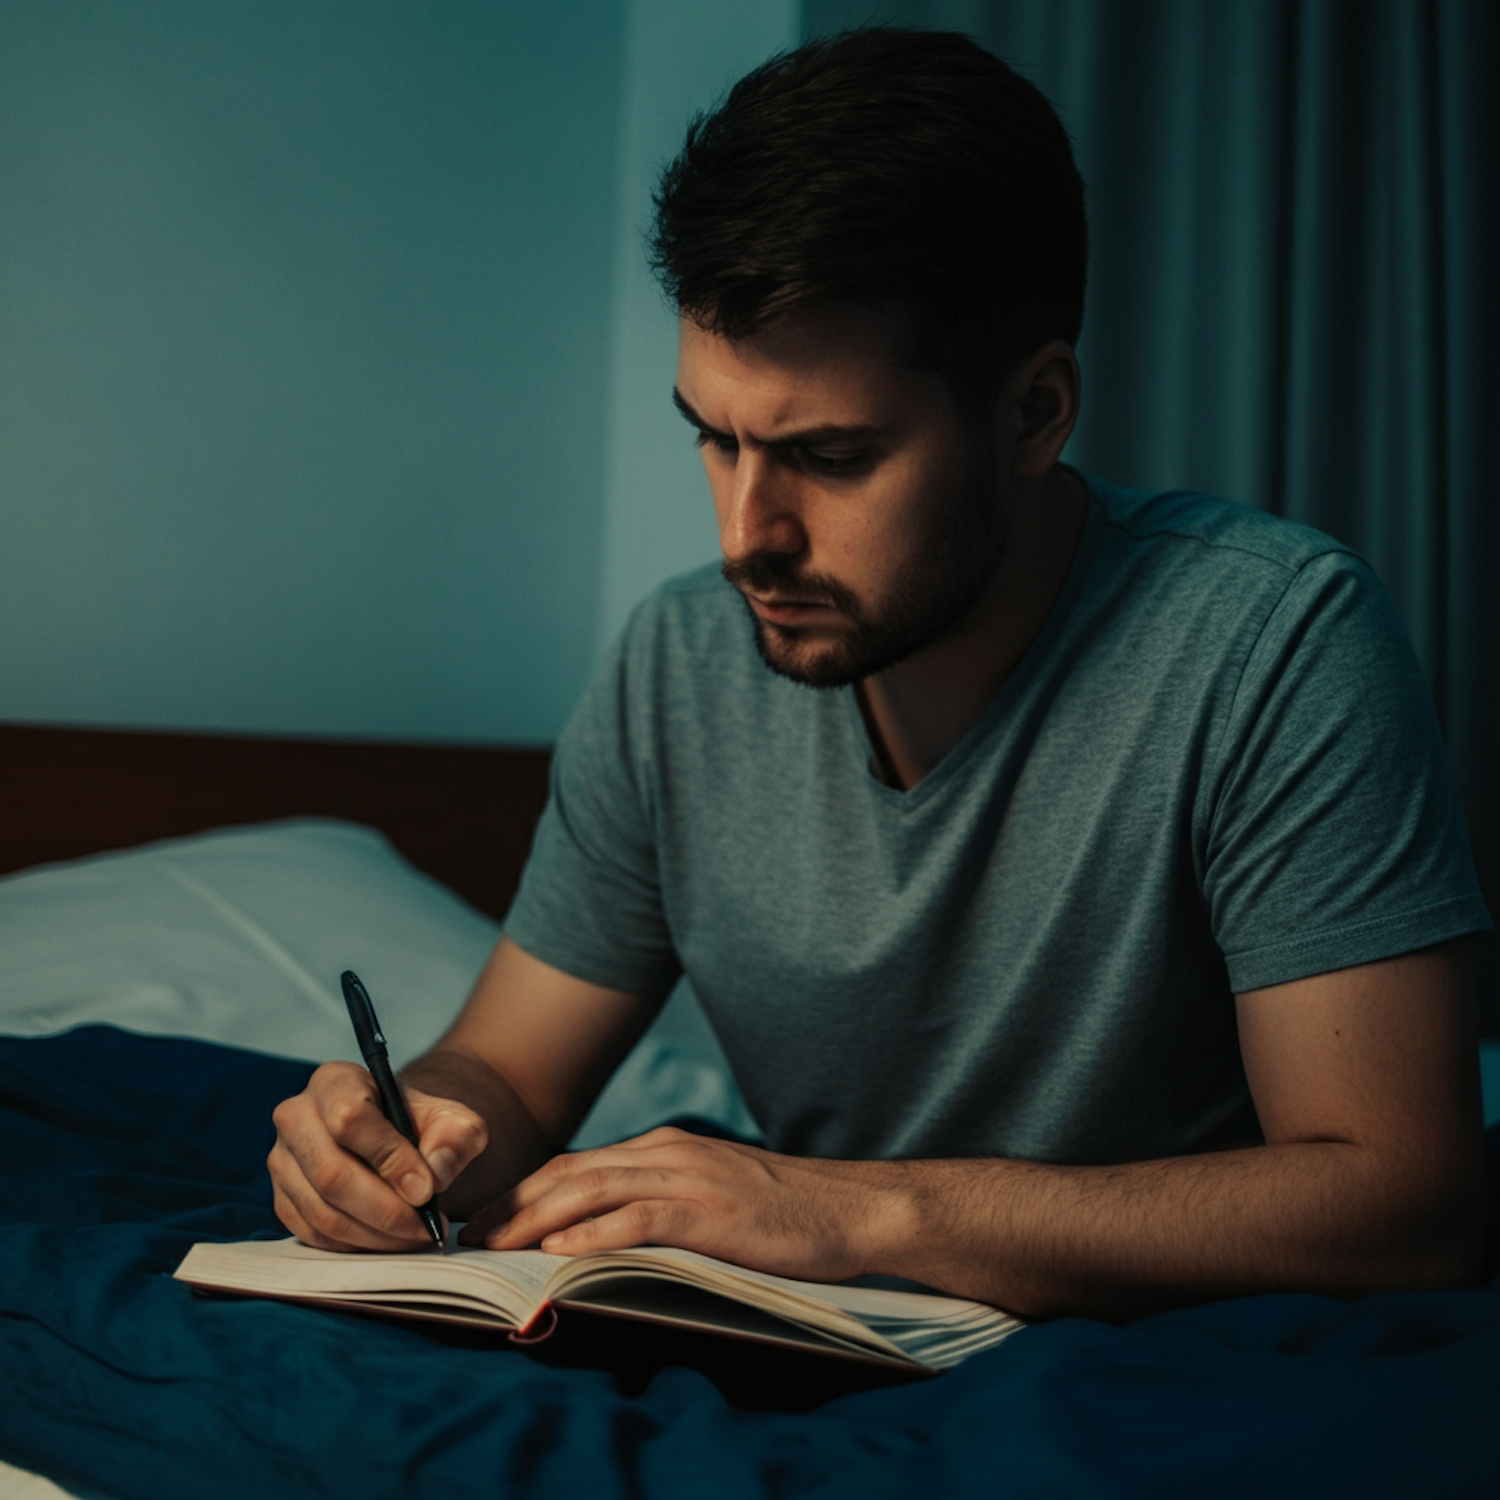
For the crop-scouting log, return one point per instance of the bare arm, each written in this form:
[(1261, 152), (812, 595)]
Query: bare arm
[(500, 1092), (1366, 1083)]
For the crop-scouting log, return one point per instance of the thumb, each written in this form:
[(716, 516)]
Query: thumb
[(452, 1135), (401, 1165)]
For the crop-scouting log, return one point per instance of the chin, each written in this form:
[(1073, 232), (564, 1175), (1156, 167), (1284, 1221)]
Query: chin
[(865, 645), (858, 654), (789, 654)]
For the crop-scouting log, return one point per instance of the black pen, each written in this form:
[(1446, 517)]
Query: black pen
[(392, 1105)]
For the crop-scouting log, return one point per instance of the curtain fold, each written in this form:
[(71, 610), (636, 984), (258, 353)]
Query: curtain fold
[(1295, 214)]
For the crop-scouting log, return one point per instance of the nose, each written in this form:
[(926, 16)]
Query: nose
[(757, 510)]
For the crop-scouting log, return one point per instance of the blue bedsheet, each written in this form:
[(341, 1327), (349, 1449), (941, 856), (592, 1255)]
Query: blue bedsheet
[(119, 1151)]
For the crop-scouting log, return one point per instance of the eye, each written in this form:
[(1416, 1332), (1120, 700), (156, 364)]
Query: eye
[(720, 442), (834, 464)]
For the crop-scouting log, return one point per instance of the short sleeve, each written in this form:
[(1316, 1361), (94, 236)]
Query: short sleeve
[(590, 899), (1332, 834)]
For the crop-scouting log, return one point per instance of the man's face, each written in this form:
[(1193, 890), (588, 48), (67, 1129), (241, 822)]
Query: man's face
[(858, 518)]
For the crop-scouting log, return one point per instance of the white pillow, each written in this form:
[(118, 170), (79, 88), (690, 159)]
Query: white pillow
[(240, 935)]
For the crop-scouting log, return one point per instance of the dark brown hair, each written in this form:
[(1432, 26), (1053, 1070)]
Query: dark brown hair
[(882, 166)]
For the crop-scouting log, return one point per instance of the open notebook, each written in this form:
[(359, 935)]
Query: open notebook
[(522, 1292)]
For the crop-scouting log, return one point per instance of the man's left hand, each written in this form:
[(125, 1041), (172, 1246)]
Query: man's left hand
[(792, 1216)]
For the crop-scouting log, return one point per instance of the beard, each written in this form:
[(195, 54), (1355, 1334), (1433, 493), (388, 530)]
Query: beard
[(950, 567)]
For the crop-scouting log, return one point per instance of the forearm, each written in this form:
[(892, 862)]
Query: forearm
[(515, 1143), (1120, 1241)]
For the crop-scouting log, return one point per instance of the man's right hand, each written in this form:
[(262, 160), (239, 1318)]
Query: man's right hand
[(346, 1179), (501, 1090)]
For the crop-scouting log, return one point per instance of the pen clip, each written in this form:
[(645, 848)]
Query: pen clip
[(362, 1014)]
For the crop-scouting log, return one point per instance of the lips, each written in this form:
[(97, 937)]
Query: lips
[(784, 611)]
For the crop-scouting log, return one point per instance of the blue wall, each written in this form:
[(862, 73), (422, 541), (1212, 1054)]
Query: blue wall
[(308, 321), (680, 55)]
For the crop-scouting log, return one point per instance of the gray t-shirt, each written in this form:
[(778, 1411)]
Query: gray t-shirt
[(1216, 768)]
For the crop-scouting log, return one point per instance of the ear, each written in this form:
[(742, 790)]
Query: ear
[(1039, 406)]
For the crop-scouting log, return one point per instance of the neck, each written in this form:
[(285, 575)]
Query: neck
[(918, 710)]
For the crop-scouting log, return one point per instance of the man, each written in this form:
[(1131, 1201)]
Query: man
[(1083, 941)]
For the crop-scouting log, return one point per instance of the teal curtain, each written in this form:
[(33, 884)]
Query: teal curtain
[(1295, 215)]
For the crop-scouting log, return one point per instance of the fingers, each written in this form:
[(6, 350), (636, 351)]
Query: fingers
[(345, 1179), (331, 1144), (563, 1230), (316, 1222), (327, 1197), (793, 1216), (655, 1221), (647, 1190)]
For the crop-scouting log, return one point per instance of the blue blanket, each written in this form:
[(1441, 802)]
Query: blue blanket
[(119, 1151)]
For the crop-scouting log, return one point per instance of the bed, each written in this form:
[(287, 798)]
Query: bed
[(174, 914)]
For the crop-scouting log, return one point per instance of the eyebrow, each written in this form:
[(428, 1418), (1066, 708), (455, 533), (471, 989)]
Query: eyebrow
[(806, 437)]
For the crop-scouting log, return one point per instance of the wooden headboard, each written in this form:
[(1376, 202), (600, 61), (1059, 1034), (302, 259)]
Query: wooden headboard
[(462, 813)]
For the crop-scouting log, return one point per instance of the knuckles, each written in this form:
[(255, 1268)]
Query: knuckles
[(342, 1116), (333, 1075), (338, 1094), (595, 1180), (286, 1115), (647, 1220)]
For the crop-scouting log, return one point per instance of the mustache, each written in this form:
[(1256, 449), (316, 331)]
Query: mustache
[(776, 574)]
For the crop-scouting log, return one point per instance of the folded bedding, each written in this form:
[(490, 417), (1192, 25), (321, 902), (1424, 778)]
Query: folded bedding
[(123, 1149)]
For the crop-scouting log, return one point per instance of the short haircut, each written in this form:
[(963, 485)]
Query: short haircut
[(882, 165)]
